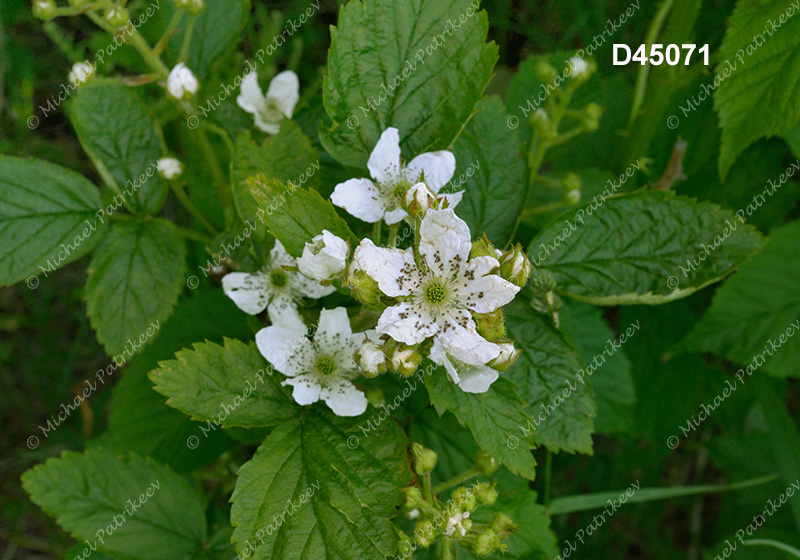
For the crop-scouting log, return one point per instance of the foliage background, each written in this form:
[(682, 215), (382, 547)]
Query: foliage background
[(47, 347)]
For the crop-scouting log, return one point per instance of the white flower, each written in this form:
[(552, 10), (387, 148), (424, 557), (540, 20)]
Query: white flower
[(318, 369), (455, 522), (578, 66), (282, 95), (323, 258), (81, 73), (181, 83), (272, 288), (169, 168), (437, 299), (370, 357), (380, 198), (471, 379)]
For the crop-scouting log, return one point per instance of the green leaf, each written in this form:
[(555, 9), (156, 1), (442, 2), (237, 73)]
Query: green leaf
[(491, 171), (496, 418), (320, 487), (547, 374), (135, 278), (295, 215), (119, 135), (128, 508), (404, 65), (287, 156), (232, 385), (645, 247), (755, 308), (757, 84), (47, 218)]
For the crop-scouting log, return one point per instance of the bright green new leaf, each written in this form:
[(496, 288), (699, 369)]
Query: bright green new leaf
[(321, 486), (128, 507), (420, 66), (47, 218), (233, 385), (124, 154), (646, 247), (135, 278)]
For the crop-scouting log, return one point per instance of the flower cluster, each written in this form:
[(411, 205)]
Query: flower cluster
[(439, 298)]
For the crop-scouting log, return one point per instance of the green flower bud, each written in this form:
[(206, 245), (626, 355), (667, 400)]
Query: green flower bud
[(572, 197), (571, 181), (405, 546), (463, 499), (542, 281), (117, 16), (515, 266), (591, 117), (413, 497), (545, 72), (44, 9), (485, 463), (424, 460), (406, 360), (508, 355), (191, 6), (485, 543), (482, 247), (485, 493), (491, 326), (501, 523), (417, 200), (424, 533), (374, 396), (363, 288)]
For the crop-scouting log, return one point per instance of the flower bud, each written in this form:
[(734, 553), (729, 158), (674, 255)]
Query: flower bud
[(81, 73), (424, 459), (482, 247), (508, 355), (78, 3), (485, 493), (406, 360), (375, 396), (169, 168), (117, 16), (181, 83), (572, 197), (486, 542), (418, 199), (545, 72), (371, 358), (44, 9), (191, 6), (405, 546), (424, 533), (579, 69), (325, 257), (463, 499), (542, 281), (413, 497), (491, 326), (571, 181), (485, 463), (501, 523), (591, 117), (515, 266)]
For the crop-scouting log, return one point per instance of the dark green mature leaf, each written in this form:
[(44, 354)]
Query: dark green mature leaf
[(124, 154), (129, 508), (491, 171), (42, 207), (287, 156), (646, 247), (756, 95), (547, 373), (496, 418), (320, 487), (420, 66), (231, 385), (757, 311), (135, 278), (295, 215)]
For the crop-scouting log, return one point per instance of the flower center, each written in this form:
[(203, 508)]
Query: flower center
[(326, 365), (278, 277), (400, 188), (272, 114), (435, 291)]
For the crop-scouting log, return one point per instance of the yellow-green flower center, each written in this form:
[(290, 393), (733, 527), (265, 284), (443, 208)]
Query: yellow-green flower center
[(278, 277), (326, 365), (435, 291)]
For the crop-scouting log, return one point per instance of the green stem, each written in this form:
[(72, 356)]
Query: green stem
[(393, 235), (457, 480), (376, 232), (187, 38), (548, 471), (161, 44), (225, 193), (541, 209), (180, 194), (192, 234), (426, 487), (219, 131), (137, 42)]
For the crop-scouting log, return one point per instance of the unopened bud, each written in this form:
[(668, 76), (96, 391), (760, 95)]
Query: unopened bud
[(515, 266), (424, 533), (572, 197), (418, 199), (44, 9), (81, 73), (371, 358), (181, 83), (191, 6), (169, 168), (491, 326), (375, 396), (485, 493), (463, 499), (406, 360), (508, 355), (482, 247), (364, 289), (117, 16), (591, 117), (571, 181), (413, 498), (579, 69), (485, 463), (545, 72), (424, 459), (486, 542), (501, 523)]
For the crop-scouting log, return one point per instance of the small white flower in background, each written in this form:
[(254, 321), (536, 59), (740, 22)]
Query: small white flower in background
[(322, 368), (82, 72), (181, 83), (456, 523), (578, 66), (439, 298), (272, 288), (324, 257), (282, 95), (471, 378), (170, 168), (379, 198)]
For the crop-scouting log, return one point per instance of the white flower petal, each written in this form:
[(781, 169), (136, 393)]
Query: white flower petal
[(285, 90), (308, 287), (486, 293), (288, 350), (269, 128), (406, 323), (393, 269), (445, 242), (477, 379), (393, 216), (250, 292), (343, 398), (437, 167), (250, 98), (282, 311), (306, 389), (461, 340), (384, 161), (278, 256), (333, 331), (360, 198), (439, 355)]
